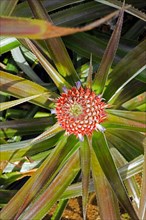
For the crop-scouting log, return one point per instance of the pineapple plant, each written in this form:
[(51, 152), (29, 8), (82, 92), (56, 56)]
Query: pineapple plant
[(72, 107)]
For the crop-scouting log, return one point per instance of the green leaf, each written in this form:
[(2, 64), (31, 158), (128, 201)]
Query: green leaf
[(55, 76), (25, 126), (135, 102), (75, 190), (10, 104), (127, 69), (23, 9), (124, 147), (80, 13), (132, 168), (130, 184), (114, 122), (105, 159), (135, 30), (132, 115), (8, 178), (142, 107), (85, 167), (131, 10), (8, 43), (7, 7), (36, 182), (16, 151), (89, 78), (6, 195), (40, 207), (142, 76), (108, 57), (24, 66), (40, 29), (56, 47), (21, 88), (125, 95), (96, 45), (108, 204), (128, 143), (47, 134), (142, 208), (59, 210)]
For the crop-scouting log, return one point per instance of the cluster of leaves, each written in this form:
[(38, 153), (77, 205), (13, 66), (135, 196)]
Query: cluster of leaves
[(34, 149)]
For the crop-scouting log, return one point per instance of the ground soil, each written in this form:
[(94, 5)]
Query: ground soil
[(73, 210)]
